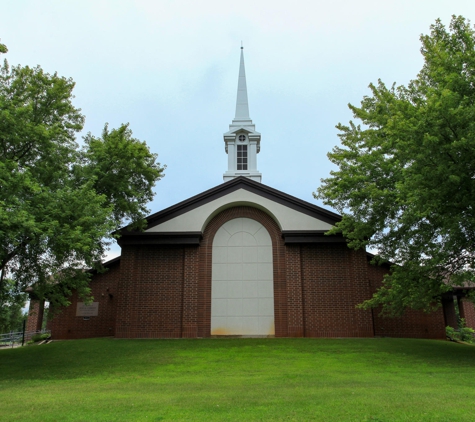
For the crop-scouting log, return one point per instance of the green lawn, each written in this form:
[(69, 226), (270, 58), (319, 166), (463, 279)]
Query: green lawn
[(239, 380)]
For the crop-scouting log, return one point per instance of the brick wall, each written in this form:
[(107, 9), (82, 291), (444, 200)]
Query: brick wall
[(150, 303), (165, 291), (295, 301), (190, 292), (35, 315), (467, 311), (334, 281), (415, 324), (66, 325)]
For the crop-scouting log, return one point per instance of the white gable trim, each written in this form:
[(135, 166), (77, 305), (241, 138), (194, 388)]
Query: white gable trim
[(197, 219)]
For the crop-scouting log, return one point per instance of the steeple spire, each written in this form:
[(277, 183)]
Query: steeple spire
[(242, 104), (242, 142)]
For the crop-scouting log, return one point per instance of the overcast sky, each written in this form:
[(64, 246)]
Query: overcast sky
[(170, 69)]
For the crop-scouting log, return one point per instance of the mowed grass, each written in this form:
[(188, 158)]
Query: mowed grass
[(239, 380)]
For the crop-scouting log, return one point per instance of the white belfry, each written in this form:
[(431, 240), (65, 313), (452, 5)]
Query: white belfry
[(242, 142)]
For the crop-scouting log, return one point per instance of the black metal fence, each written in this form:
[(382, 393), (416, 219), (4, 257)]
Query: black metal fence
[(19, 338)]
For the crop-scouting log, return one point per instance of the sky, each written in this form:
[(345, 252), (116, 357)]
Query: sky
[(170, 70)]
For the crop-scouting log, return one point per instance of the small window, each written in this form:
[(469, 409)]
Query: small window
[(242, 138), (242, 157)]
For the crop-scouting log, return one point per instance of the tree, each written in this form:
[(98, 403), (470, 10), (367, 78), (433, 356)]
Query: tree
[(406, 179), (11, 312), (59, 203)]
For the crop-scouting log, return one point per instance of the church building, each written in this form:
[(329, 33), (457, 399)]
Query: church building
[(240, 259)]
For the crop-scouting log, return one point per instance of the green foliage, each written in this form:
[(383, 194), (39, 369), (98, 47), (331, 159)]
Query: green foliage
[(451, 333), (405, 183), (123, 169), (12, 302), (60, 203), (463, 333), (39, 337)]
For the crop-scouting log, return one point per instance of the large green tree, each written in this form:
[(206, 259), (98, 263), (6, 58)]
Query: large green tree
[(405, 183), (59, 203), (12, 303)]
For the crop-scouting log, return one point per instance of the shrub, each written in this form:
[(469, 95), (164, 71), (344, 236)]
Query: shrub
[(463, 333), (452, 334), (38, 337), (466, 333)]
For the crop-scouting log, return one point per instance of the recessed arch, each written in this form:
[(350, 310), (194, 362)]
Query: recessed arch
[(242, 286), (205, 263)]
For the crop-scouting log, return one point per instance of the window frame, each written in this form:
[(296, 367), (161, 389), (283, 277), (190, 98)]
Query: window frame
[(242, 157)]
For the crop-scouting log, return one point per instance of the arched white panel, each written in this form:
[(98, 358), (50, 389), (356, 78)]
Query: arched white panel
[(242, 289)]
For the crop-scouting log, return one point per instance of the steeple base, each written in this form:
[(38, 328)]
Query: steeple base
[(254, 175)]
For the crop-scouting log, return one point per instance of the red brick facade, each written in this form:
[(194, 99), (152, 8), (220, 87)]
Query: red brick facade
[(416, 324), (66, 325), (150, 302), (164, 291), (334, 280), (467, 311), (35, 315)]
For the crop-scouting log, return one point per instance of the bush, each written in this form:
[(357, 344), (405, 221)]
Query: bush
[(463, 333), (38, 337), (451, 333)]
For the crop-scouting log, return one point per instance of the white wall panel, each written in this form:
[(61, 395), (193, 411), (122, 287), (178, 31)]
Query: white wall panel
[(196, 219), (242, 290)]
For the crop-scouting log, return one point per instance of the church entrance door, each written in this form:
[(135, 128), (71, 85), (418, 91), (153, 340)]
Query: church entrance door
[(242, 289)]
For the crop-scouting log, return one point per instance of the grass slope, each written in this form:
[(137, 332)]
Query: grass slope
[(239, 380)]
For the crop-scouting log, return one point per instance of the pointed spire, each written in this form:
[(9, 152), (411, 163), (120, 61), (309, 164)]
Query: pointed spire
[(242, 142), (242, 105)]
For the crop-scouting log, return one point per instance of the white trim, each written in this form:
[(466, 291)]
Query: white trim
[(197, 219)]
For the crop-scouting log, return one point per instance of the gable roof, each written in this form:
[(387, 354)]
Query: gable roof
[(233, 185)]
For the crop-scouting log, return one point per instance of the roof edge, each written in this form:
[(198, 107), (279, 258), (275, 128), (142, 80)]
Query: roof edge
[(240, 182)]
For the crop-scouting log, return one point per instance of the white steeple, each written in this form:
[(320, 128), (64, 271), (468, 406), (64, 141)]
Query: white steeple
[(242, 141), (242, 105)]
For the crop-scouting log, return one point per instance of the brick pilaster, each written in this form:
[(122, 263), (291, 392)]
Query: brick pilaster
[(190, 292), (35, 315), (467, 311), (294, 291)]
